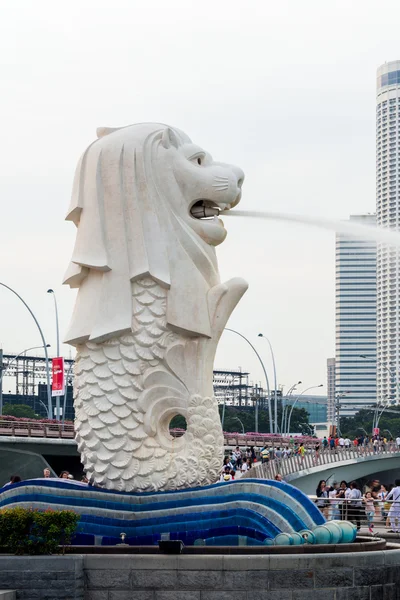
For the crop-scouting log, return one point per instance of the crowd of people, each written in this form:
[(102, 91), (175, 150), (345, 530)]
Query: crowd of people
[(47, 475), (377, 502), (377, 443)]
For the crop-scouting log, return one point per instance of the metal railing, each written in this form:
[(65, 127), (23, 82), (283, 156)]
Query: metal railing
[(335, 509), (36, 429), (296, 463)]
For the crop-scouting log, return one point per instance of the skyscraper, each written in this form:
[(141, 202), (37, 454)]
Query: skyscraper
[(355, 320), (331, 388), (388, 215)]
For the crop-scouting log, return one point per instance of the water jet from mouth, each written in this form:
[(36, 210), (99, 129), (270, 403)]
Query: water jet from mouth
[(364, 232)]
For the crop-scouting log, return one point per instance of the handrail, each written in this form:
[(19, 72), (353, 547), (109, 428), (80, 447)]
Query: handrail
[(297, 463)]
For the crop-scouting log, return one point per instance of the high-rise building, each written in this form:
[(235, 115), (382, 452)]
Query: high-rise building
[(331, 385), (388, 215), (355, 373)]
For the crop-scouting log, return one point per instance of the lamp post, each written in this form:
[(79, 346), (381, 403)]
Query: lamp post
[(377, 414), (49, 404), (295, 402), (266, 380), (50, 291), (4, 371), (237, 419), (392, 373), (284, 399), (275, 383), (66, 392), (337, 406)]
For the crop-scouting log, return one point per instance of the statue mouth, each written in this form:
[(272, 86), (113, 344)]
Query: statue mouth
[(207, 209)]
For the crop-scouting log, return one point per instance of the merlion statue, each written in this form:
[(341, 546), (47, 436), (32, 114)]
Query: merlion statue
[(150, 307)]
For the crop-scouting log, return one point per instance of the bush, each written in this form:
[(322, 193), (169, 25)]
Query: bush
[(27, 531)]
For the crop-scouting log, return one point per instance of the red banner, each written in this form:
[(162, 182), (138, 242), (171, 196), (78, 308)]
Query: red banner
[(57, 368)]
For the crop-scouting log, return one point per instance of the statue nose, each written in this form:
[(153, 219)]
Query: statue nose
[(240, 176)]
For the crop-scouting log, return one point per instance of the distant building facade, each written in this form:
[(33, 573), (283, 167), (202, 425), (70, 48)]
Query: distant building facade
[(355, 364), (331, 387), (388, 216)]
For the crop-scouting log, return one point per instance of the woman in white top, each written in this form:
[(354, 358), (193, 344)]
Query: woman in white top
[(394, 512)]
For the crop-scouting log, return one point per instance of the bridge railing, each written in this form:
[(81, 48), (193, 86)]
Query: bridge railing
[(335, 509), (293, 464), (36, 429)]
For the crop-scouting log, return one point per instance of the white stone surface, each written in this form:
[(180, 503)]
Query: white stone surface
[(150, 307)]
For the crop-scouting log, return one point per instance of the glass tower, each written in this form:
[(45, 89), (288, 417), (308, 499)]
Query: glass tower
[(355, 365), (388, 215)]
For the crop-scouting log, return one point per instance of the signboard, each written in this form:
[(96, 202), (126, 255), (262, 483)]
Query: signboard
[(57, 385), (376, 431)]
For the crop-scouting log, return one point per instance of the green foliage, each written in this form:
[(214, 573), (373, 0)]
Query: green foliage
[(27, 531), (178, 422), (231, 423), (19, 410), (352, 426)]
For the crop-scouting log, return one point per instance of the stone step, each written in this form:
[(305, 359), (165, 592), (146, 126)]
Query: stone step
[(8, 595)]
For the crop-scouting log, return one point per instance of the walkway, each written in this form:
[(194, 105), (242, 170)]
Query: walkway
[(313, 462)]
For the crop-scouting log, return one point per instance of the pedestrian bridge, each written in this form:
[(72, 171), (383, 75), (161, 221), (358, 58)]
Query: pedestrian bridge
[(306, 472)]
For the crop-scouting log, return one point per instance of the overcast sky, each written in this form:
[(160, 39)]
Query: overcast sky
[(285, 90)]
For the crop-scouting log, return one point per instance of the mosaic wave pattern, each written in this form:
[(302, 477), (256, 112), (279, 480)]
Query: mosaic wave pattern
[(250, 511)]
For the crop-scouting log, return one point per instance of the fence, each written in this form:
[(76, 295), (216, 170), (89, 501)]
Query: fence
[(296, 463), (36, 429), (379, 518)]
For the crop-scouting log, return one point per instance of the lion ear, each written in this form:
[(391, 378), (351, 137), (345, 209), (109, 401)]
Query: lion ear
[(169, 138), (102, 131)]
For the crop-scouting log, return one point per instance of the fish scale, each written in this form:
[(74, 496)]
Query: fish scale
[(117, 447)]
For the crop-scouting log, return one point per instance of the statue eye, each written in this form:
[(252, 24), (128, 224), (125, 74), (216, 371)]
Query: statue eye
[(198, 159)]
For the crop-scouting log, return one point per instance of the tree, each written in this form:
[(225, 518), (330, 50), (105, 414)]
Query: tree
[(19, 410), (298, 424)]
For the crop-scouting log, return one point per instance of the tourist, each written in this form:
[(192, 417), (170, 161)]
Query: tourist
[(64, 475), (246, 466), (394, 512), (369, 510), (334, 512), (398, 442), (331, 443), (278, 477), (227, 463), (342, 495), (322, 495), (46, 473), (264, 455), (347, 443), (355, 504), (226, 474), (341, 443), (237, 456), (324, 444), (13, 479), (302, 451)]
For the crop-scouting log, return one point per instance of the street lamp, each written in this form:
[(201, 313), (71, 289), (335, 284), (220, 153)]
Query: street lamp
[(275, 383), (287, 429), (4, 371), (43, 344), (284, 408), (237, 419), (50, 291), (392, 373), (389, 432), (266, 380)]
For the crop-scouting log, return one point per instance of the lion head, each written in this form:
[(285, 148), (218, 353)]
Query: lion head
[(145, 202)]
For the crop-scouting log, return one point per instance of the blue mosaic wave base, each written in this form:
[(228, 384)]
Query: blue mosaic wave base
[(245, 512)]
